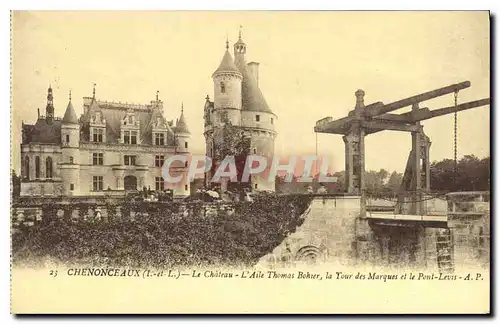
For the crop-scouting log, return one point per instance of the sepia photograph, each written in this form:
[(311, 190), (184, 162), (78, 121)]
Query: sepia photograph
[(250, 162)]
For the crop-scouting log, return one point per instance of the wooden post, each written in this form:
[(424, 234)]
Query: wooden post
[(427, 164), (348, 164), (417, 179), (359, 110), (362, 171)]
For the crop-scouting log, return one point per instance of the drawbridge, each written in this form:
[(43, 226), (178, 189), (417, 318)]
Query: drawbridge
[(416, 205), (412, 207)]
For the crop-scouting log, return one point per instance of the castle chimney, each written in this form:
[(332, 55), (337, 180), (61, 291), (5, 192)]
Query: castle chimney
[(253, 67)]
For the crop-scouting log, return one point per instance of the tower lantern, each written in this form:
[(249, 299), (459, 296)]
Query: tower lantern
[(240, 48), (49, 110)]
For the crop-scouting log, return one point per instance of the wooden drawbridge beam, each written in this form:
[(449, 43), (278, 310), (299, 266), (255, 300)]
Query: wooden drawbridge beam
[(419, 116), (416, 99), (425, 113)]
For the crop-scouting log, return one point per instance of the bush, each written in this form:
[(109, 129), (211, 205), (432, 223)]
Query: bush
[(165, 237)]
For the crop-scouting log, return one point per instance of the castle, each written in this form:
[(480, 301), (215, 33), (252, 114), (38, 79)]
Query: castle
[(118, 147), (112, 148), (238, 102)]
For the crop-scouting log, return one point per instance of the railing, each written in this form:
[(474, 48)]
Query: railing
[(468, 203), (457, 209)]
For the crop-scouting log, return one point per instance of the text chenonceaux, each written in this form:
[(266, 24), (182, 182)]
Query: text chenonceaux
[(265, 274)]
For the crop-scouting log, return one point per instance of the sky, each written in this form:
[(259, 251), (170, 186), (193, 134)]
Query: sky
[(311, 64)]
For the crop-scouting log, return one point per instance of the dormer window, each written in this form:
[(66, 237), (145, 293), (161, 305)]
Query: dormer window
[(222, 87), (97, 128), (272, 121), (130, 137), (159, 139), (130, 129), (98, 135)]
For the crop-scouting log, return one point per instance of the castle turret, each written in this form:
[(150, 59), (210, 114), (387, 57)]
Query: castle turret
[(237, 96), (227, 90), (70, 141), (183, 135)]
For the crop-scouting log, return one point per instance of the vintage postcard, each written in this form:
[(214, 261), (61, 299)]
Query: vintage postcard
[(176, 162)]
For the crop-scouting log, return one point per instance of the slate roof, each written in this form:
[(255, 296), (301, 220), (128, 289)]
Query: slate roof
[(252, 98), (50, 132), (181, 126), (227, 64), (114, 115), (70, 115), (42, 132)]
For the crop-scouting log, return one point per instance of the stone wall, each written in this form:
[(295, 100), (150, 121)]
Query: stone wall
[(327, 235), (41, 188), (101, 209), (471, 241), (334, 233)]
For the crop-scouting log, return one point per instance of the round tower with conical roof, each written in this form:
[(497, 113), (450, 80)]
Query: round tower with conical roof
[(227, 90), (183, 135), (70, 142), (245, 107)]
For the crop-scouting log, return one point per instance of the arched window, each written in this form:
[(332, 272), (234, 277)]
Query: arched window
[(37, 167), (222, 87), (27, 168), (48, 167)]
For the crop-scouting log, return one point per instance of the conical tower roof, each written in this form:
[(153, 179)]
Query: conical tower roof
[(227, 64), (181, 126), (70, 115)]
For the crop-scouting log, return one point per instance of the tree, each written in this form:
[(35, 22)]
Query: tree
[(231, 141), (394, 181), (16, 184), (375, 181), (472, 174)]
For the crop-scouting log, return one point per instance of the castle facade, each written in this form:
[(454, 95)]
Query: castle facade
[(112, 148)]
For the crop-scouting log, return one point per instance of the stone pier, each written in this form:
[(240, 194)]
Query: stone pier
[(335, 233)]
